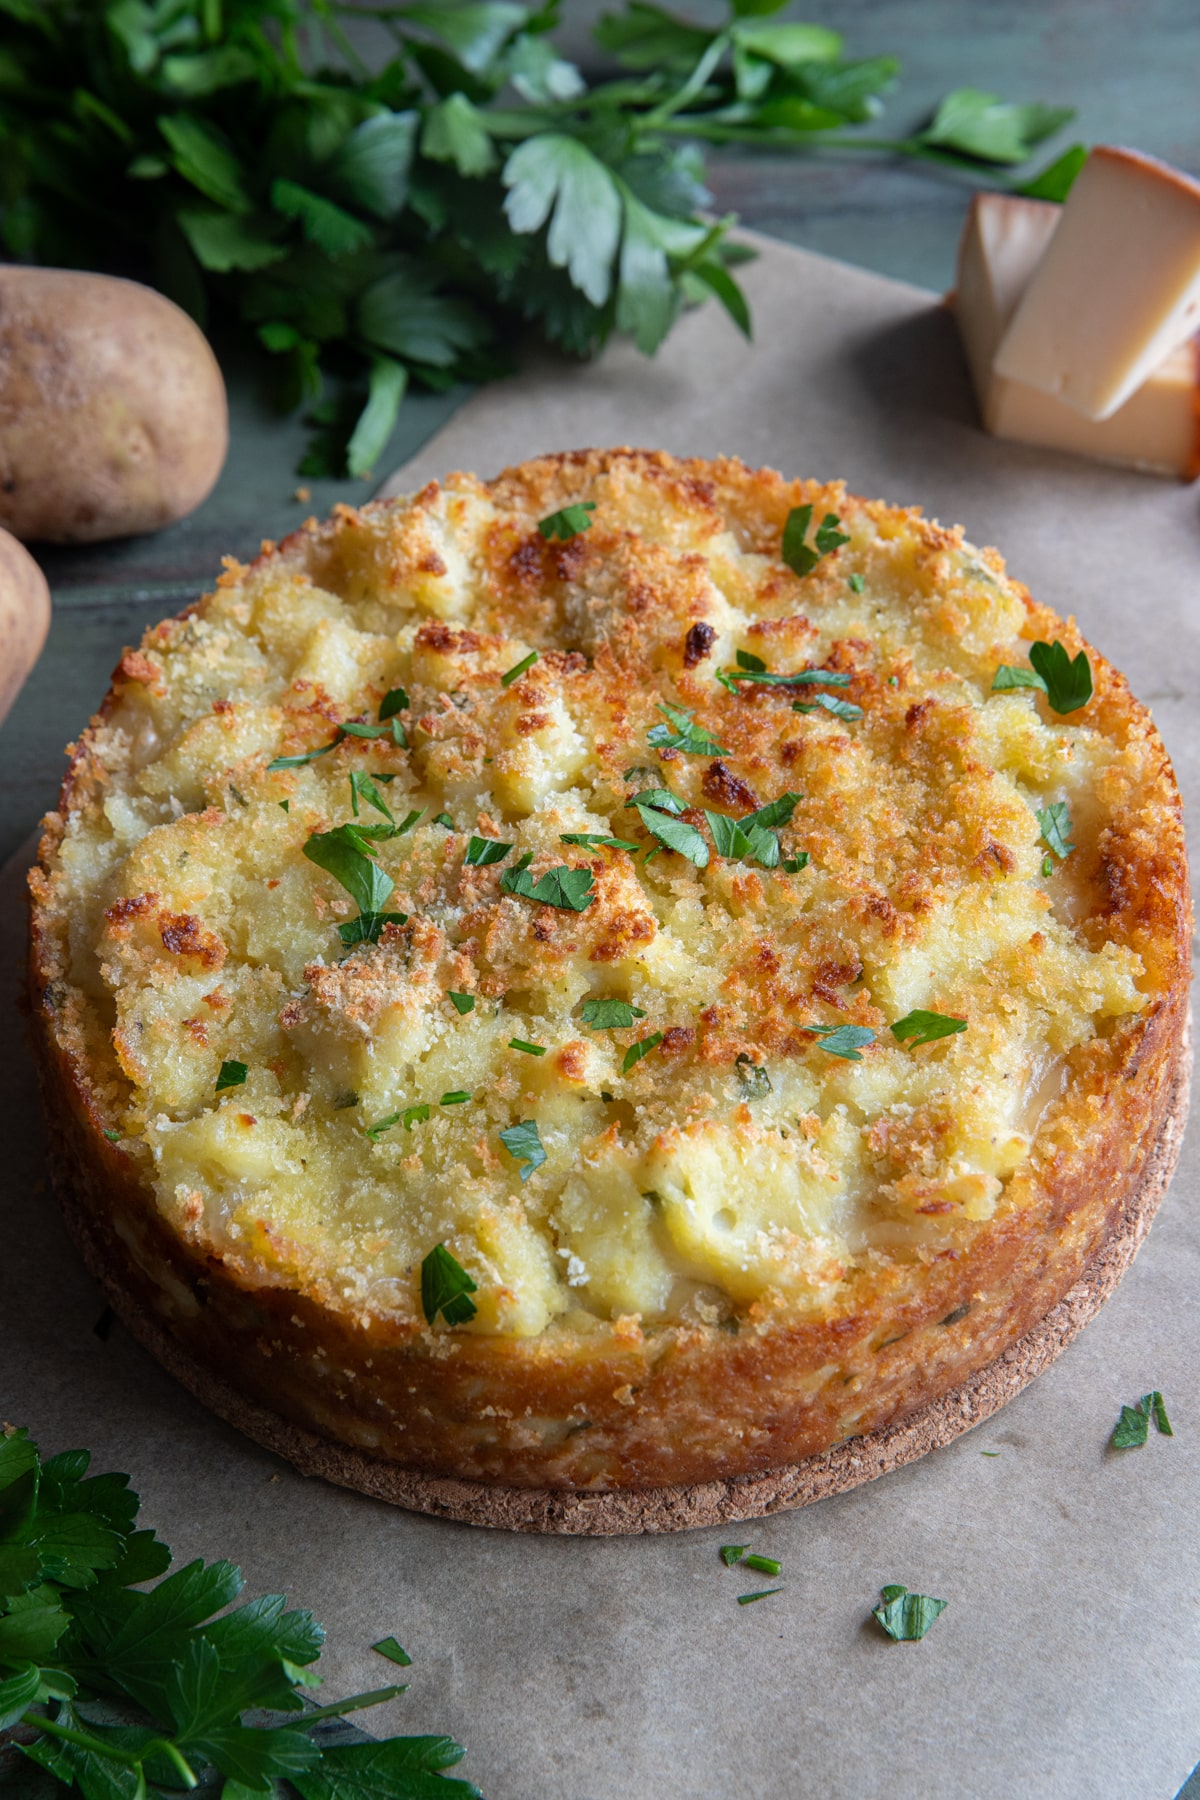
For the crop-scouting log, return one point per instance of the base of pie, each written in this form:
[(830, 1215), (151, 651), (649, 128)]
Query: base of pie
[(694, 1506)]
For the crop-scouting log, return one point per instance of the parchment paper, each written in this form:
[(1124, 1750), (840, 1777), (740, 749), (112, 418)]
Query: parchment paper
[(1068, 1660)]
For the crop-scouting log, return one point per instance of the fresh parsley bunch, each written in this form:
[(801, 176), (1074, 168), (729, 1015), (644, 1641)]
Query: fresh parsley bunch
[(85, 1649), (394, 224)]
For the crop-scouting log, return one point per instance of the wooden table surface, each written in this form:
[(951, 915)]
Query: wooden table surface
[(1130, 69)]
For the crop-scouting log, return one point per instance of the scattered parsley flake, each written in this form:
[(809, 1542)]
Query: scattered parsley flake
[(362, 787), (733, 1553), (655, 808), (367, 928), (1054, 822), (681, 733), (1133, 1426), (1047, 866), (800, 556), (233, 1074), (393, 1651), (529, 1049), (793, 864), (341, 854), (856, 584), (843, 1040), (798, 678), (454, 1097), (636, 1052), (518, 669), (525, 1146), (762, 1565), (114, 1137), (483, 851), (415, 1115), (1066, 681), (571, 889), (376, 1131), (830, 703), (462, 1003), (745, 659), (926, 1027), (393, 702), (610, 1014), (286, 805), (444, 819), (446, 1288), (752, 1077), (759, 1594), (587, 840), (569, 521), (907, 1617)]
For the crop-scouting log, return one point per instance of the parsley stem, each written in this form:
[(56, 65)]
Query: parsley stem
[(85, 1741), (692, 87)]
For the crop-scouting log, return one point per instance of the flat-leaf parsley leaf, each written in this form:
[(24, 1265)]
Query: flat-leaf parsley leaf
[(571, 889), (926, 1027), (525, 1146), (233, 1074), (446, 1288), (569, 521), (907, 1617)]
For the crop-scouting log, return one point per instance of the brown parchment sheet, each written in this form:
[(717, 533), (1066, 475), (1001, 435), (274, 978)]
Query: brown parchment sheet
[(1067, 1662)]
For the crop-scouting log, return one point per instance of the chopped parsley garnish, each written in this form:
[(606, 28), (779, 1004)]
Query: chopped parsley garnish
[(1066, 681), (926, 1027), (753, 1079), (342, 854), (454, 1097), (529, 1049), (1133, 1426), (524, 1146), (569, 521), (394, 701), (793, 864), (393, 1651), (759, 1594), (367, 928), (286, 805), (444, 819), (1054, 822), (752, 836), (1047, 866), (733, 1553), (482, 851), (462, 1003), (904, 1616), (843, 1040), (415, 1115), (830, 703), (518, 669), (114, 1137), (233, 1074), (635, 1052), (762, 1565), (389, 728), (753, 671), (588, 840), (572, 889), (376, 1131), (362, 787), (682, 734), (800, 556), (856, 584), (446, 1288), (610, 1015), (655, 808)]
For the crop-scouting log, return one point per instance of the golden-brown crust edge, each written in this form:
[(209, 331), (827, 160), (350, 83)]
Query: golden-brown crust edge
[(693, 1506)]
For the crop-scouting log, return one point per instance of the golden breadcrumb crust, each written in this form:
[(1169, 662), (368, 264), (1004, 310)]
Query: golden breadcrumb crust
[(740, 1248)]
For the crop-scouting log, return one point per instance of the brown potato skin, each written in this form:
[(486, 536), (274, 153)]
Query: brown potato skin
[(618, 1407), (113, 417), (24, 618)]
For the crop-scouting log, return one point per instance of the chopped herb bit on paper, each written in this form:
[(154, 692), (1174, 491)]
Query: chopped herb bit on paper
[(907, 1617), (1133, 1426), (393, 1651), (759, 1594), (733, 1553), (446, 1288)]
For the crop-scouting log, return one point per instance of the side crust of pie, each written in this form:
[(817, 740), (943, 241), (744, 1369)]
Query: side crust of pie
[(747, 1373)]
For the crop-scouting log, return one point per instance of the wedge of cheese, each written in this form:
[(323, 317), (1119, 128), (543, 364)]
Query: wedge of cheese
[(1117, 290), (1158, 427)]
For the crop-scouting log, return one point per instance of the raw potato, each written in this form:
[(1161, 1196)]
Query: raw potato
[(112, 408), (24, 617)]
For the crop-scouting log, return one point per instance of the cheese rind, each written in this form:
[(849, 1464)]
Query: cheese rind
[(1117, 290), (1158, 427)]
